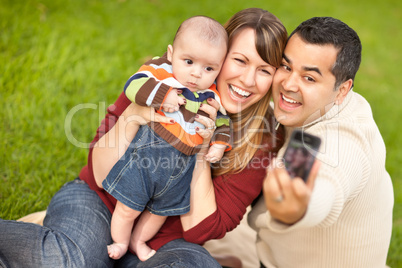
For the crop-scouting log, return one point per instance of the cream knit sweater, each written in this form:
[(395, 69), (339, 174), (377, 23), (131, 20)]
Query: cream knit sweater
[(348, 222)]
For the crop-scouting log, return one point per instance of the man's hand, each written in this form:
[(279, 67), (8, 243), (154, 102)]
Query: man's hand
[(286, 198)]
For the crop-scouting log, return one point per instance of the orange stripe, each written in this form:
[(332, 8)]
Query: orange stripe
[(159, 73), (228, 146), (213, 88), (188, 139)]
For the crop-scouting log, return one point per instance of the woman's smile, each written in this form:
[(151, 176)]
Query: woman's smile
[(238, 94)]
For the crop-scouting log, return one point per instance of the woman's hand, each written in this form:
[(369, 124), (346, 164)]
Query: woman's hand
[(286, 198), (112, 146), (211, 109), (202, 198)]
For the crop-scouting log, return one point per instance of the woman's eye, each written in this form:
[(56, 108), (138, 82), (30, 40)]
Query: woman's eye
[(239, 60), (266, 71)]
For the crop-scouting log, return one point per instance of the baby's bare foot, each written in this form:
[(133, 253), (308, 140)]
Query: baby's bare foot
[(144, 252), (116, 250)]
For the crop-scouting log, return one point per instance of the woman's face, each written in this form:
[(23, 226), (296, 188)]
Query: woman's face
[(245, 77), (299, 159)]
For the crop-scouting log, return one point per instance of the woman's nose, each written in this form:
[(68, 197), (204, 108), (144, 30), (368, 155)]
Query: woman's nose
[(248, 77)]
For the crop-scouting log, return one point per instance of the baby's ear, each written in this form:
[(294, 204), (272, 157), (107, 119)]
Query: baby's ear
[(170, 52)]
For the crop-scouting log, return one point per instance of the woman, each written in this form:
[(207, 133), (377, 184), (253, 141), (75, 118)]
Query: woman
[(77, 225)]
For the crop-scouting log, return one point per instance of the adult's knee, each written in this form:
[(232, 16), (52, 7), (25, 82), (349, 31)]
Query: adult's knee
[(180, 254)]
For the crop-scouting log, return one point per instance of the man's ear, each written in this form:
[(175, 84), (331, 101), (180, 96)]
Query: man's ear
[(343, 90), (170, 52)]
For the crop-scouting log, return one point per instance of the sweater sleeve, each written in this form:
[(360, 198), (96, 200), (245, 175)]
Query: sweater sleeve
[(343, 174), (222, 131), (146, 87), (233, 193)]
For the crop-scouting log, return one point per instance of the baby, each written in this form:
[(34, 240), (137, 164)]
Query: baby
[(155, 173)]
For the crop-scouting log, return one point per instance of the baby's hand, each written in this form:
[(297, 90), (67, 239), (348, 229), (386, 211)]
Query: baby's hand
[(172, 102), (215, 152)]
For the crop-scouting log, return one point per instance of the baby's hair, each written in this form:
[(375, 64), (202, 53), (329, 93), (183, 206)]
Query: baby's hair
[(205, 28)]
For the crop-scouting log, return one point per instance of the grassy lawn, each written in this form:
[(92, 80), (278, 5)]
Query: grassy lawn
[(64, 62)]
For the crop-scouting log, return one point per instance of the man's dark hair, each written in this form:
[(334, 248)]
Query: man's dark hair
[(330, 31)]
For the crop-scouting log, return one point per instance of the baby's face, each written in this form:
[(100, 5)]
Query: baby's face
[(196, 63)]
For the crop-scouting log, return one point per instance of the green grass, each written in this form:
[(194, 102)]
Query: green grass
[(55, 55)]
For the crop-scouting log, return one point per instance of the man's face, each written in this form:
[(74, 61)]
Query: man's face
[(303, 87)]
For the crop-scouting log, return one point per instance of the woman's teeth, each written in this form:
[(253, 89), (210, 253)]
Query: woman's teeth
[(288, 100), (240, 92)]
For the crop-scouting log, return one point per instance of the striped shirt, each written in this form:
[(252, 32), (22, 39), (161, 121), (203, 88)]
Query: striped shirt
[(150, 86)]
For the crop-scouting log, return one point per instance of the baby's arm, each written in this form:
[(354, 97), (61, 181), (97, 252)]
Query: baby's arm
[(152, 84), (221, 139)]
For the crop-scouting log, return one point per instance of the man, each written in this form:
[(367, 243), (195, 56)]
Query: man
[(344, 217)]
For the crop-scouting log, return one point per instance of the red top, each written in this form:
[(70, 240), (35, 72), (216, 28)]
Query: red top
[(233, 193)]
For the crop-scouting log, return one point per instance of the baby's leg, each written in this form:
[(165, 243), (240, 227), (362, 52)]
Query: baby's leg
[(122, 224), (146, 228)]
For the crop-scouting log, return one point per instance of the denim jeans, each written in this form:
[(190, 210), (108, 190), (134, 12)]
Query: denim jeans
[(152, 174), (175, 254), (75, 233)]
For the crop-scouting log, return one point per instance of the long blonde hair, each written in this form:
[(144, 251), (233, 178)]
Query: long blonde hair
[(256, 123)]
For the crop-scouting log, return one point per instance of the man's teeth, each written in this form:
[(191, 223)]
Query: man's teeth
[(240, 92), (288, 100)]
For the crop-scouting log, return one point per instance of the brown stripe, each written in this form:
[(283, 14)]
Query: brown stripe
[(158, 61), (173, 140), (187, 115), (143, 93), (160, 96), (223, 138), (203, 113)]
